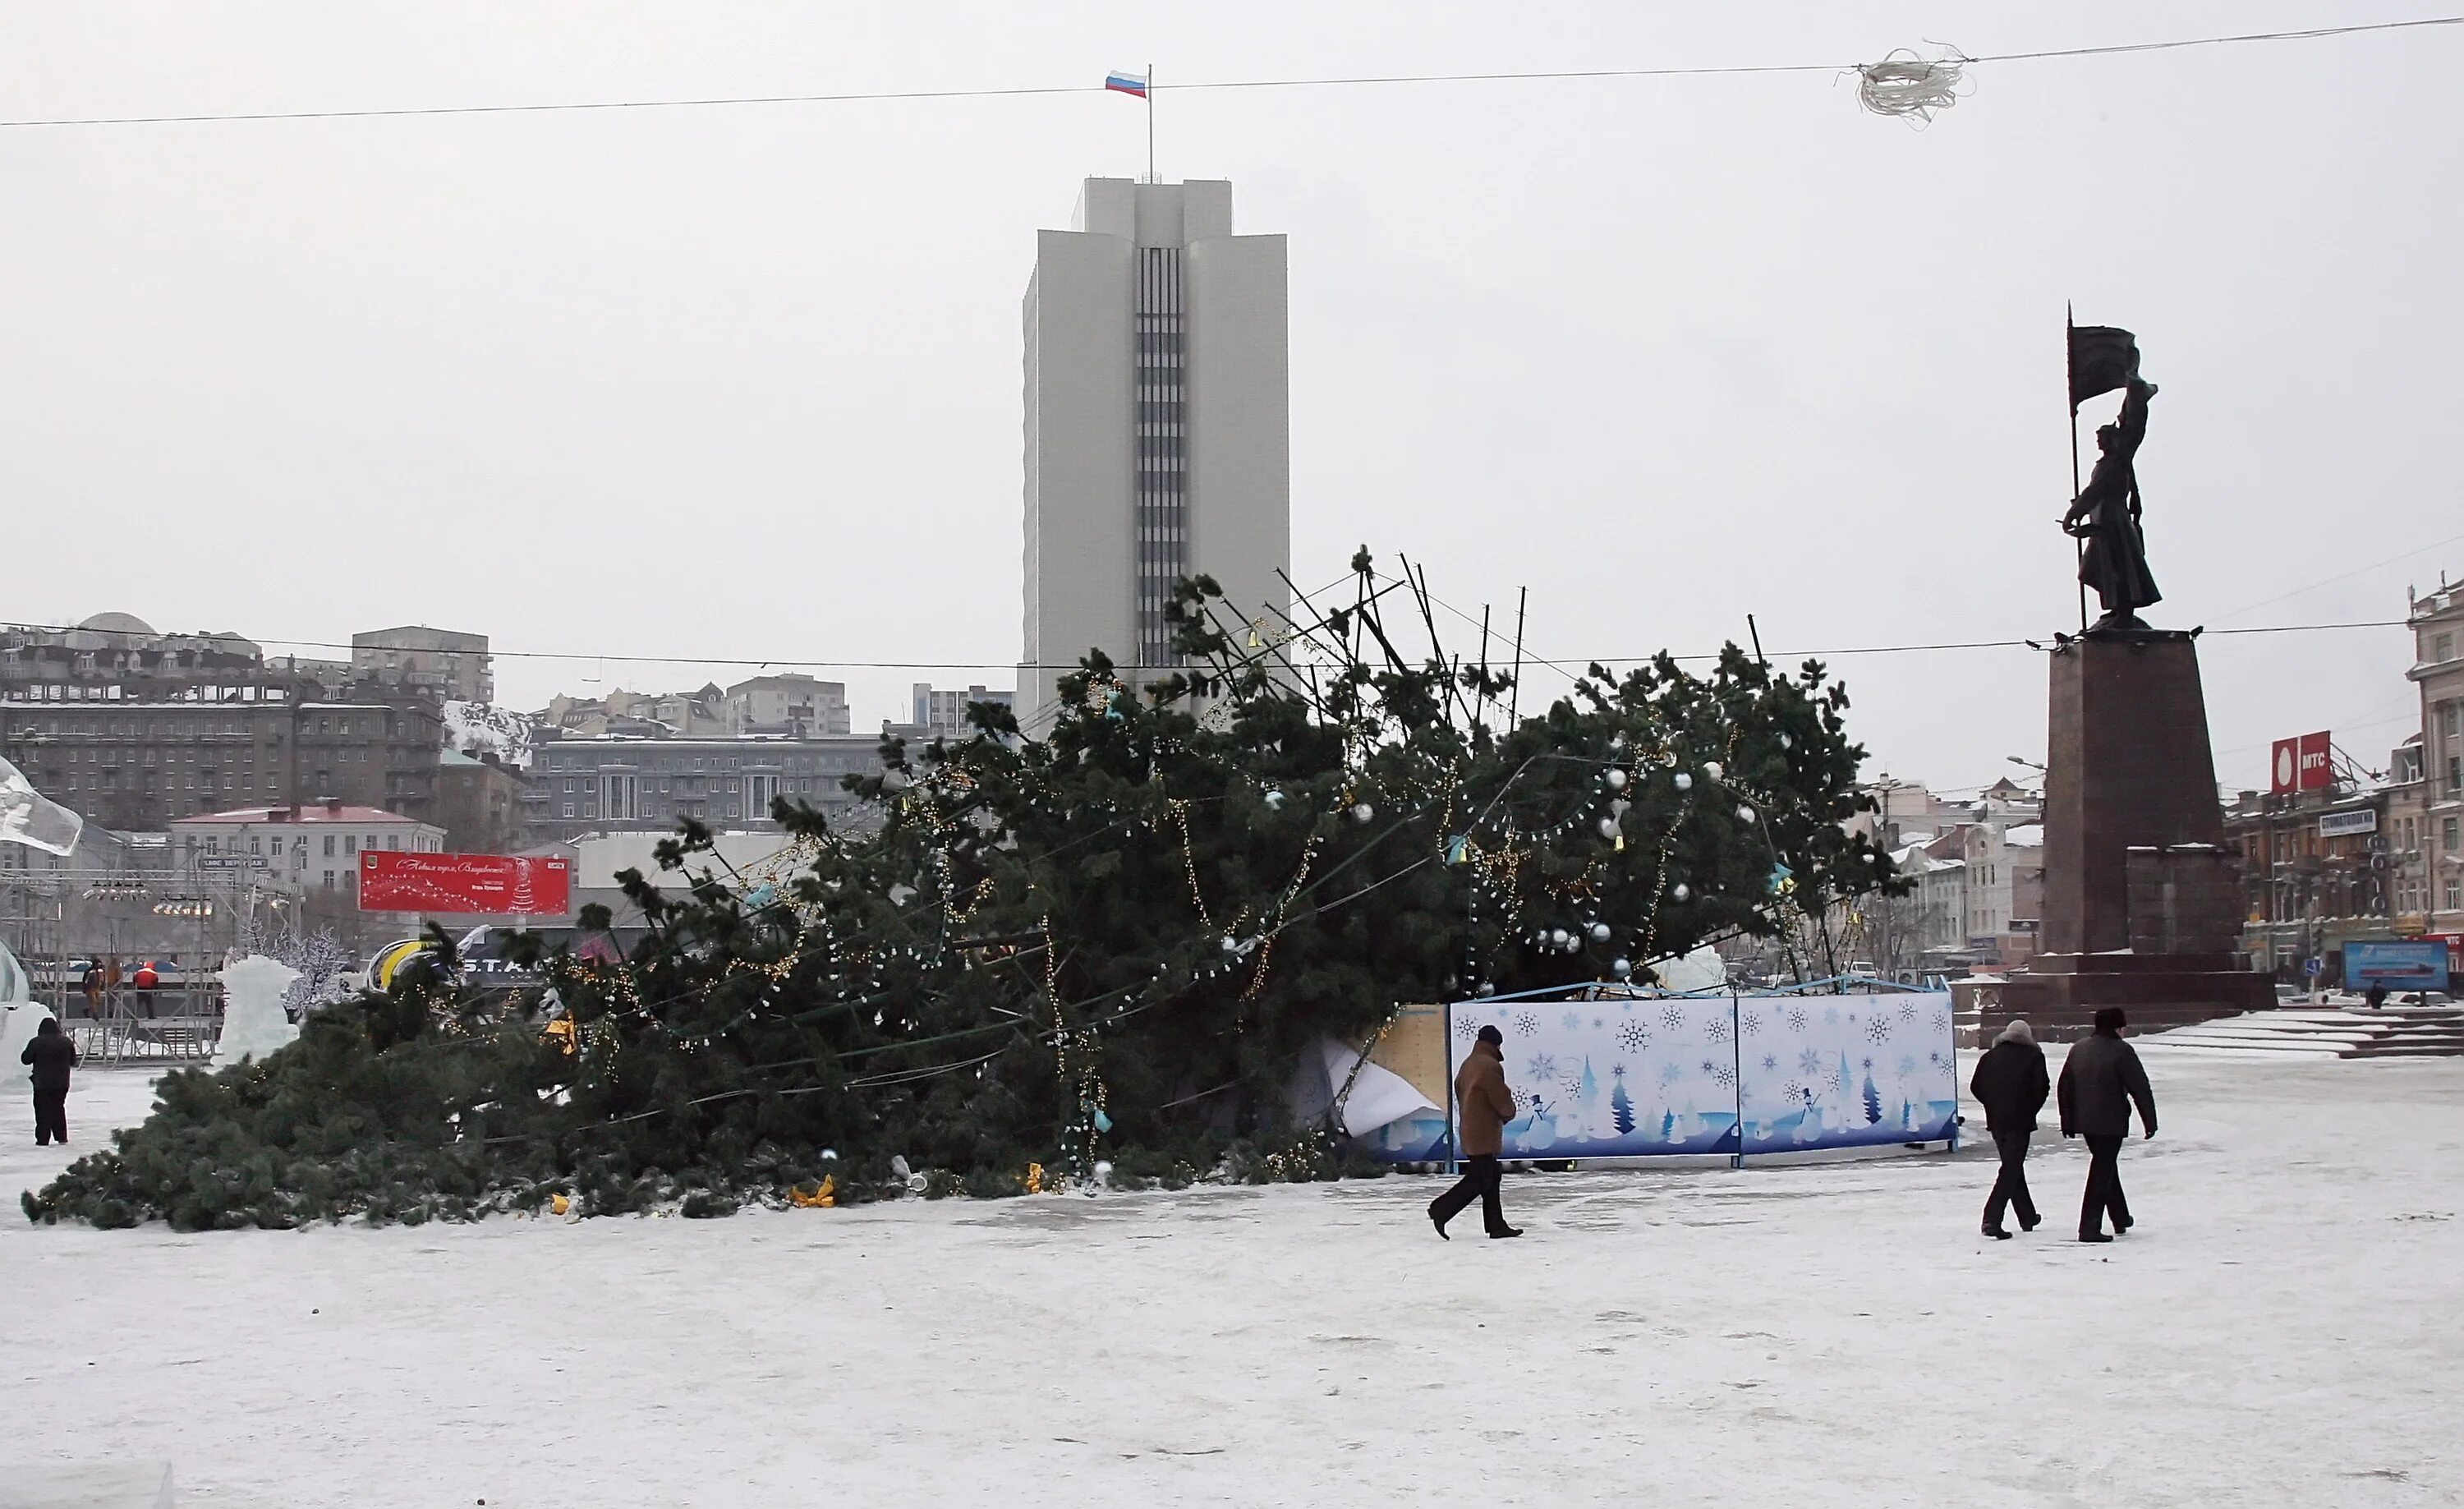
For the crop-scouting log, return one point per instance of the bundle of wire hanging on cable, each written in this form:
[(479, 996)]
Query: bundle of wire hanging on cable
[(1911, 88)]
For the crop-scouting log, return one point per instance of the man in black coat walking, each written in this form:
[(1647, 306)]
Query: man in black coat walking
[(2102, 1080), (51, 1056), (2010, 1082)]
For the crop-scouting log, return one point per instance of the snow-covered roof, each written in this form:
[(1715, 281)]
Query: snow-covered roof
[(2028, 835)]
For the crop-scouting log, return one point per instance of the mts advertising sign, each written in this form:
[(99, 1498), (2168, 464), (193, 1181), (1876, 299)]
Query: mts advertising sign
[(498, 885), (2301, 765)]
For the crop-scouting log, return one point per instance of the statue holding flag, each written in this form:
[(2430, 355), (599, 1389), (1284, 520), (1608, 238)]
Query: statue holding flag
[(2105, 516)]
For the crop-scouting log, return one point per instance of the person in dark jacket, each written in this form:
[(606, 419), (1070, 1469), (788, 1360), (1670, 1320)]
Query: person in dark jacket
[(2102, 1080), (2010, 1082), (1483, 1107), (52, 1056), (2376, 995)]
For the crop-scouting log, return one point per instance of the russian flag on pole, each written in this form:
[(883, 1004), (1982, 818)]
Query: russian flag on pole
[(1127, 83)]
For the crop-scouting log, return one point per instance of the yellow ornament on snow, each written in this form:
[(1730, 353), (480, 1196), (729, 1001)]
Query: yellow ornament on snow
[(823, 1196), (559, 1204)]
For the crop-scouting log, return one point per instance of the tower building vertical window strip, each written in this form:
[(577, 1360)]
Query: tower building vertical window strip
[(1163, 449)]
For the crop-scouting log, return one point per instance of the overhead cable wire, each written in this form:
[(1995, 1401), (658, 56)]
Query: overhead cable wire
[(1560, 664), (1334, 81)]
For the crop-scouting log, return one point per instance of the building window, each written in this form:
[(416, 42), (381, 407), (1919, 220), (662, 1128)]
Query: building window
[(350, 844), (329, 846), (568, 809), (393, 840), (2443, 647), (329, 880), (2446, 834)]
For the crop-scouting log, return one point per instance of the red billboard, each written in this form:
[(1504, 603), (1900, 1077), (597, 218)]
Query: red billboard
[(2301, 765), (498, 885)]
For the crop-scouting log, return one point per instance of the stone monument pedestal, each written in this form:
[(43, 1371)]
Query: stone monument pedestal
[(2142, 900)]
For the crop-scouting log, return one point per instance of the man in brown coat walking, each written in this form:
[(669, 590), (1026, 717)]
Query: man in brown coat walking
[(1483, 1107)]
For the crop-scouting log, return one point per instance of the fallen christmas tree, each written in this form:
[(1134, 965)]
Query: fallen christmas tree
[(1096, 952)]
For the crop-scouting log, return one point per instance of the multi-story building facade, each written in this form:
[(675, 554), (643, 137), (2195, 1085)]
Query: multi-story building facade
[(1158, 413), (796, 705), (479, 804), (2317, 870), (2438, 623), (120, 649), (315, 847), (611, 784), (131, 757), (134, 728), (448, 665), (941, 713)]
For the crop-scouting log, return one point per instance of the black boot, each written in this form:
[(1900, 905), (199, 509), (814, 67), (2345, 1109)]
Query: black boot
[(1997, 1233), (1438, 1221)]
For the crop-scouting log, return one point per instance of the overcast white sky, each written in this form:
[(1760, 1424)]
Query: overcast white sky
[(744, 381)]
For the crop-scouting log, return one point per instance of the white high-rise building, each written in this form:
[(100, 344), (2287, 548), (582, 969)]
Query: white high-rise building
[(1158, 427)]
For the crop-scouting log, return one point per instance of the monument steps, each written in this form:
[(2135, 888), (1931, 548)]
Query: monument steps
[(2389, 1032)]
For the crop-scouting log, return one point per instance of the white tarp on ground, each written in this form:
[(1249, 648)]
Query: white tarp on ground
[(1378, 1096)]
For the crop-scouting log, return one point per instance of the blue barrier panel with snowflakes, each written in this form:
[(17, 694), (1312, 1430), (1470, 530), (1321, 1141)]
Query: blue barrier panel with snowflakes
[(1846, 1071), (1613, 1078)]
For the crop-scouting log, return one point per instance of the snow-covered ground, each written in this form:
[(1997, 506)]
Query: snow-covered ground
[(2280, 1329)]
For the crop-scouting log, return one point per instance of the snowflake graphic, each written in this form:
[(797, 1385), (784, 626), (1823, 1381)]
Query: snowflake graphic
[(1753, 1023), (1571, 1021), (1541, 1069), (1634, 1036), (1599, 1022), (1717, 1029), (1831, 1016), (1795, 1089), (1466, 1029), (1771, 1063), (1934, 1059), (1809, 1062), (1877, 1031), (1907, 1065), (1672, 1017), (1721, 1074), (1866, 1063), (1907, 1010), (1617, 1072), (1796, 1019), (1526, 1023), (1670, 1073)]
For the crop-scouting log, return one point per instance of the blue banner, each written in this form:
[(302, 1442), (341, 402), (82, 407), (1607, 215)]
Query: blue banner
[(2396, 966)]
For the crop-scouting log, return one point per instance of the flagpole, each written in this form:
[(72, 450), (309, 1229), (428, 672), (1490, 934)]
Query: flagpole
[(2079, 546), (1151, 172)]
